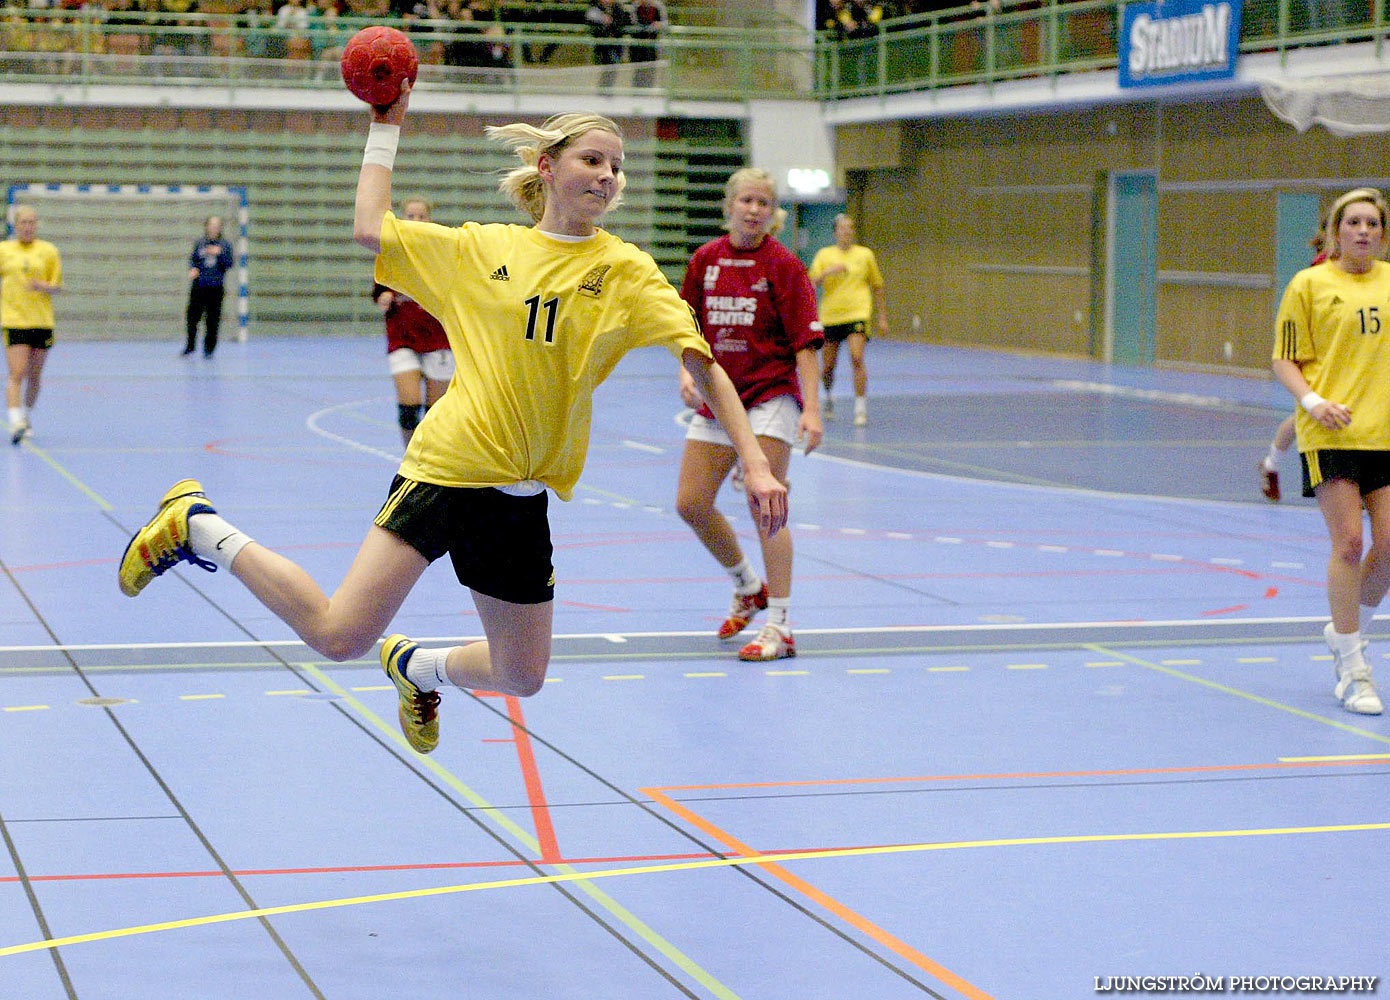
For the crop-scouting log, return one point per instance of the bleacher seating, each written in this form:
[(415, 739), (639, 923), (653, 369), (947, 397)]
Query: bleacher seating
[(304, 267)]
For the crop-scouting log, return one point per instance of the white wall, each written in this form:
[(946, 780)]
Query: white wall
[(783, 135)]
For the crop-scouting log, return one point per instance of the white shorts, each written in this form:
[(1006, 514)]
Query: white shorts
[(777, 418), (437, 366)]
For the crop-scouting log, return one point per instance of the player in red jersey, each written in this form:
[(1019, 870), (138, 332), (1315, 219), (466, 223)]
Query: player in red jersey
[(757, 309), (416, 345)]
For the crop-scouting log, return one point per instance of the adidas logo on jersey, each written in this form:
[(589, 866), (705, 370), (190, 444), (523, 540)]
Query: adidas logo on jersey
[(501, 274), (1336, 300)]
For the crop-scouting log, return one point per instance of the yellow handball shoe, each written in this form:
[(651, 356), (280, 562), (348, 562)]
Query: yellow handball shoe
[(163, 543), (417, 710)]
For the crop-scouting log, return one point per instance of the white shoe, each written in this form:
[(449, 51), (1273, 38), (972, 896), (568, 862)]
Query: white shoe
[(773, 643), (861, 419), (1355, 689)]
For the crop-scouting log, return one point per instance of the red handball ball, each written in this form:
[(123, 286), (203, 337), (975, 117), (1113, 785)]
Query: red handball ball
[(375, 61)]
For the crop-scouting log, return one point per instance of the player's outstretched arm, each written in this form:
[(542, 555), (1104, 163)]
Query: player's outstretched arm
[(767, 498), (374, 181)]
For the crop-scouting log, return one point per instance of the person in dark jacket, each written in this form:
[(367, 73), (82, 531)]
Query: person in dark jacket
[(207, 271)]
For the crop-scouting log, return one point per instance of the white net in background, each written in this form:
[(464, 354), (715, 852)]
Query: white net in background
[(125, 255), (1355, 104)]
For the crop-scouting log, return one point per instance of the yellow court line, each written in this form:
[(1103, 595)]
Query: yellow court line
[(25, 708), (1227, 689), (709, 673), (761, 859), (57, 467), (1344, 756), (199, 697), (569, 874)]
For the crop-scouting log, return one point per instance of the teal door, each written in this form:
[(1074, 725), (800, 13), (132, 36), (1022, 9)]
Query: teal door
[(1297, 217), (815, 228), (1131, 267)]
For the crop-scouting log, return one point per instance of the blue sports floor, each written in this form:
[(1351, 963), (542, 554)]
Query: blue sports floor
[(1061, 710)]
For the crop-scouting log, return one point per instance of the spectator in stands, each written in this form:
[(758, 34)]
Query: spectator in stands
[(607, 20), (855, 22), (208, 265), (291, 22), (648, 22)]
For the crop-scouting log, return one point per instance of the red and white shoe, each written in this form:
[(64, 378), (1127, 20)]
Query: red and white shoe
[(773, 643), (741, 612), (1269, 483)]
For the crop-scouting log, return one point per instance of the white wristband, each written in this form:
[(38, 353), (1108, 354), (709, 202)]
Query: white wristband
[(382, 140), (1310, 400)]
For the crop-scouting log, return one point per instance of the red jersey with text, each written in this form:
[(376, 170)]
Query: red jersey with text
[(757, 309), (408, 325)]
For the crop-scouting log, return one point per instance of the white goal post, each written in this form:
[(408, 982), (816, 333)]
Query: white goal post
[(125, 251)]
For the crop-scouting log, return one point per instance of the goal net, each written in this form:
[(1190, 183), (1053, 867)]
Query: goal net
[(125, 250)]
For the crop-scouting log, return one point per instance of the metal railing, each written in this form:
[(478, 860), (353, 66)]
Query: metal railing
[(95, 46), (1008, 39)]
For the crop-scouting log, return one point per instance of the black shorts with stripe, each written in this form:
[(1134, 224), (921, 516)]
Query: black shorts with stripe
[(499, 543), (838, 333), (1369, 470), (38, 337)]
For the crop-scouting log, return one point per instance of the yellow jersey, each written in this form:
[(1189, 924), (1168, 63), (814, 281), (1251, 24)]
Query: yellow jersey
[(22, 308), (847, 297), (1336, 326), (535, 324)]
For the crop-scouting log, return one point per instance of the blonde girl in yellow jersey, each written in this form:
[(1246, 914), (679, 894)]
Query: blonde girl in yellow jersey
[(536, 316), (1332, 352), (31, 273)]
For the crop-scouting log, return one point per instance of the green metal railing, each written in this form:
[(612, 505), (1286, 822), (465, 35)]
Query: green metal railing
[(1046, 38), (1007, 40), (246, 50)]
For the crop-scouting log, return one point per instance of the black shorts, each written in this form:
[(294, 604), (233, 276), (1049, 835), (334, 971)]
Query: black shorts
[(40, 337), (499, 544), (1370, 470), (838, 333)]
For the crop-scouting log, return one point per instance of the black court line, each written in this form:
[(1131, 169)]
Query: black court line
[(192, 824)]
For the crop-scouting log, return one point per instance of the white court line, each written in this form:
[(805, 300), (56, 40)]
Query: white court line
[(1225, 623), (312, 423)]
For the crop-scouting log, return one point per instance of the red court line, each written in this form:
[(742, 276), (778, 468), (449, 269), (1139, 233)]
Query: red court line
[(862, 923), (540, 811), (446, 865), (851, 917)]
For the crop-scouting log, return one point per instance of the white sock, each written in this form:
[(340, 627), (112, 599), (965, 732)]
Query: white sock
[(16, 416), (426, 668), (1346, 643), (1365, 613), (213, 539), (745, 577), (777, 610), (861, 405)]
